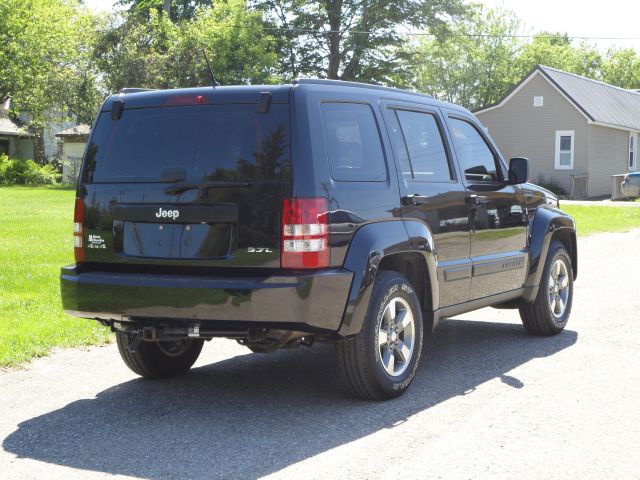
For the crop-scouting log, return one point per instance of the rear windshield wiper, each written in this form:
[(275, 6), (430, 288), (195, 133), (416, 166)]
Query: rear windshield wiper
[(184, 186)]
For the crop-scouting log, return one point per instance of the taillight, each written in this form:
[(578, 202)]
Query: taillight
[(305, 233), (78, 220)]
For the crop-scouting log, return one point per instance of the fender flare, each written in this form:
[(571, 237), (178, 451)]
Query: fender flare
[(547, 222), (370, 244)]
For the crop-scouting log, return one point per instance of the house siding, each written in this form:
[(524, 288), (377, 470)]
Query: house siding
[(522, 130), (609, 148)]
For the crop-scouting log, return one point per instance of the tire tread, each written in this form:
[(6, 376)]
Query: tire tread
[(535, 315), (148, 362), (352, 356)]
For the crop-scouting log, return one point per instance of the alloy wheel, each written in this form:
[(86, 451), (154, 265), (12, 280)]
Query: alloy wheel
[(558, 288), (396, 336)]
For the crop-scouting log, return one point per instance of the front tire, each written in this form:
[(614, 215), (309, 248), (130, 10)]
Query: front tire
[(549, 313), (381, 361), (159, 359)]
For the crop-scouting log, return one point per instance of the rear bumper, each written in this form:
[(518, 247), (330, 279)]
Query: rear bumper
[(313, 301)]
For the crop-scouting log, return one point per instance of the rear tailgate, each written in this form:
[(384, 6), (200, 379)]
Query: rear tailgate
[(187, 185)]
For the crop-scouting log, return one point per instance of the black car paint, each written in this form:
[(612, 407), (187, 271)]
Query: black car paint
[(300, 301), (333, 301)]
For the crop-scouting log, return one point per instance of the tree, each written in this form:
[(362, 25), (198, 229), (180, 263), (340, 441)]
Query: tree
[(622, 68), (133, 49), (77, 85), (45, 65), (176, 9), (351, 39), (556, 50), (233, 36), (42, 55), (146, 49), (473, 65), (484, 57)]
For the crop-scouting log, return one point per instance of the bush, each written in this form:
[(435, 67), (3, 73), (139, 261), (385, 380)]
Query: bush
[(16, 171), (553, 185)]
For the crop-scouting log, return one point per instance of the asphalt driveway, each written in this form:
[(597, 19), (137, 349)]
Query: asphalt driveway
[(488, 402)]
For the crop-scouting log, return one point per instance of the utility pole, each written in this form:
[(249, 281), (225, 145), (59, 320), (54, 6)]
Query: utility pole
[(167, 8)]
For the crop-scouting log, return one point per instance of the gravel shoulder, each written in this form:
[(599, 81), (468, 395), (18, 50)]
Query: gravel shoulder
[(488, 402)]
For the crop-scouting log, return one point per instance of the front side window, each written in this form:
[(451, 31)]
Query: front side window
[(427, 157), (475, 156), (633, 146), (353, 143), (564, 149)]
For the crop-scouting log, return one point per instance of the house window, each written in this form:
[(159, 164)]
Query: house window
[(538, 101), (564, 149), (633, 148)]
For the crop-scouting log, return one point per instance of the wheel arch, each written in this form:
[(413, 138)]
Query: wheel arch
[(549, 224), (402, 246)]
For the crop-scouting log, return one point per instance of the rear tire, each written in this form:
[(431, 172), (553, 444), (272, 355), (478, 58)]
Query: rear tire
[(380, 362), (549, 313), (159, 359)]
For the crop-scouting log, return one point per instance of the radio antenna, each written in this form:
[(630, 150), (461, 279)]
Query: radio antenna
[(214, 82)]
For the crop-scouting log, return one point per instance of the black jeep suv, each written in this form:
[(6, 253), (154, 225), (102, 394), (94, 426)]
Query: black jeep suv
[(320, 210)]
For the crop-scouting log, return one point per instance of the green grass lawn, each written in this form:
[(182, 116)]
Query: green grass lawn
[(598, 219), (35, 241)]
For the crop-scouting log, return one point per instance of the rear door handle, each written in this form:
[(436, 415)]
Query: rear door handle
[(414, 199), (479, 199)]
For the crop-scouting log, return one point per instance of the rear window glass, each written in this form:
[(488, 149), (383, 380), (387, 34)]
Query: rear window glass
[(353, 143), (199, 143)]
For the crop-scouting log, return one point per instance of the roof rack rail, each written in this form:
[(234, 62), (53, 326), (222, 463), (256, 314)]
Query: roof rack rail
[(344, 83), (126, 90)]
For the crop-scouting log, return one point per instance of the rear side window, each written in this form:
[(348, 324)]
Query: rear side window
[(475, 156), (353, 142), (427, 156), (196, 143)]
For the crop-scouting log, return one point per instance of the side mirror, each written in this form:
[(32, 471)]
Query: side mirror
[(518, 170)]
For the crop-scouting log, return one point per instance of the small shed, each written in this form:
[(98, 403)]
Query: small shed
[(72, 142)]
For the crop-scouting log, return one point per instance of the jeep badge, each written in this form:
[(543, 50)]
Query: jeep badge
[(161, 213)]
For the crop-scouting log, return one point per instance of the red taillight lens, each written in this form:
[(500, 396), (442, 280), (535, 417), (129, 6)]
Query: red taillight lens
[(305, 233), (78, 220)]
